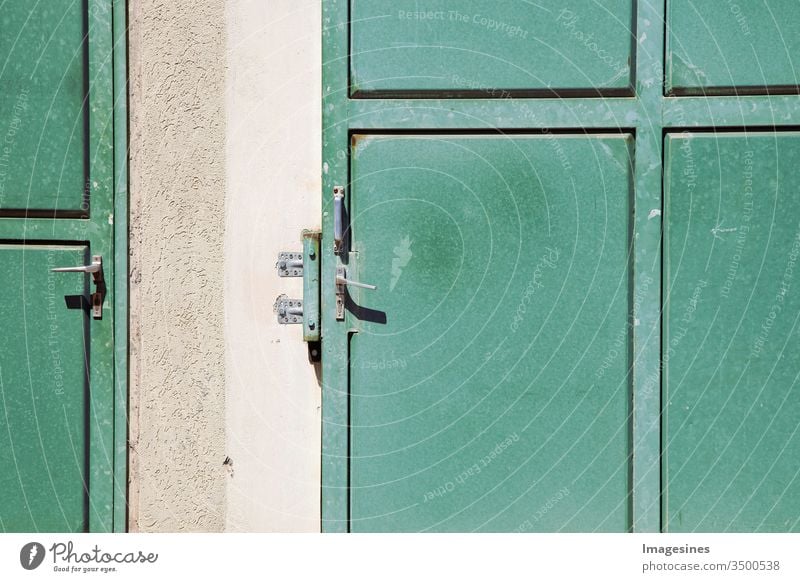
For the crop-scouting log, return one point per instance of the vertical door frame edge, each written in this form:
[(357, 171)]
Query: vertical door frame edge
[(120, 113), (649, 39)]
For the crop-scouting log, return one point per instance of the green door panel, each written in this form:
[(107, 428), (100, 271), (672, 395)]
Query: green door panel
[(731, 329), (733, 47), (60, 415), (43, 100), (43, 391), (489, 372), (487, 48)]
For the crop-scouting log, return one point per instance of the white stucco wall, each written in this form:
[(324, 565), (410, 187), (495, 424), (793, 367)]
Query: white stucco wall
[(225, 173), (273, 159)]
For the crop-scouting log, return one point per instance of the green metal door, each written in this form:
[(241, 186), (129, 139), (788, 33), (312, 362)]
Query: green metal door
[(534, 357), (57, 400)]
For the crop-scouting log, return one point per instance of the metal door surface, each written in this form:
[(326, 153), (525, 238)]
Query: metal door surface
[(731, 365), (732, 48), (58, 447), (450, 47), (499, 171), (509, 277)]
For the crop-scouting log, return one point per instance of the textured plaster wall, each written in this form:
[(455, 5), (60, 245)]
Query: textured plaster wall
[(273, 105), (177, 377)]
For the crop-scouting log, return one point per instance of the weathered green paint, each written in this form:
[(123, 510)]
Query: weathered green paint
[(493, 107), (732, 326), (488, 110), (120, 31), (733, 47), (499, 380), (335, 170), (88, 226), (484, 49), (311, 269), (751, 111), (646, 284), (101, 180), (43, 106), (43, 392)]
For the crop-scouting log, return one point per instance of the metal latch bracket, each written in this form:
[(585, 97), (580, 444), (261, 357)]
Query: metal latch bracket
[(289, 264), (288, 310), (306, 265)]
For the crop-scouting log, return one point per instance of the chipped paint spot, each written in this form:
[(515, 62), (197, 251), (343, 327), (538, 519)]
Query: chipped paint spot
[(653, 213), (610, 153), (686, 73)]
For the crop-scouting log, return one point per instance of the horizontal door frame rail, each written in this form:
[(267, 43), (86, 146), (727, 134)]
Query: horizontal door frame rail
[(649, 115)]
